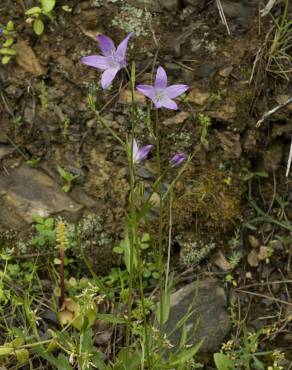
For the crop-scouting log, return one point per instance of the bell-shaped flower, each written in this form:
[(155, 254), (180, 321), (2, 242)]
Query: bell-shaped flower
[(177, 159), (112, 60), (139, 154), (160, 93)]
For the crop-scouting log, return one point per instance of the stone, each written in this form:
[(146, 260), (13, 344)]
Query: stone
[(276, 245), (150, 5), (5, 151), (272, 157), (288, 338), (248, 275), (225, 113), (208, 301), (26, 58), (264, 253), (125, 97), (27, 192), (253, 241), (198, 4), (225, 72), (282, 99), (230, 143), (171, 5), (178, 119), (198, 97), (222, 262), (252, 259), (239, 14)]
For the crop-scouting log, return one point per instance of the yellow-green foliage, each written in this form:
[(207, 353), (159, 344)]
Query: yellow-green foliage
[(211, 198)]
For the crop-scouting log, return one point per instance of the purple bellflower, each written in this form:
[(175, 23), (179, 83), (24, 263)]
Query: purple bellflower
[(177, 159), (139, 154), (112, 60), (160, 93)]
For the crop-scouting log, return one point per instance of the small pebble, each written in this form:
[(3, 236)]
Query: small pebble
[(253, 241)]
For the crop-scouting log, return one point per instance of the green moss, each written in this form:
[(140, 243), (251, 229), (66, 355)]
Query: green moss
[(211, 198)]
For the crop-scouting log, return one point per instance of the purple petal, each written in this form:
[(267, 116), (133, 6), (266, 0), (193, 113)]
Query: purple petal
[(157, 103), (96, 61), (147, 90), (177, 159), (106, 45), (135, 148), (143, 153), (175, 90), (108, 76), (122, 48), (161, 78), (169, 104)]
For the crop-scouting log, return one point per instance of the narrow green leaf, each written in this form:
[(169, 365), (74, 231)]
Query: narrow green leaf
[(4, 351), (10, 26), (223, 362), (145, 237), (62, 172), (7, 51), (8, 42), (144, 246), (258, 364), (66, 188), (48, 5), (38, 26), (22, 356), (5, 59), (118, 250), (111, 318), (186, 355), (38, 219), (98, 361), (183, 337), (34, 11)]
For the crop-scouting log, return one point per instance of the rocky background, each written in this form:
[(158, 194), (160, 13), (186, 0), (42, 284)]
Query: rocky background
[(45, 122)]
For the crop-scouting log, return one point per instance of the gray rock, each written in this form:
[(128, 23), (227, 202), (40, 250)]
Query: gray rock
[(171, 5), (239, 14), (210, 314), (150, 5), (27, 192), (272, 157), (5, 150)]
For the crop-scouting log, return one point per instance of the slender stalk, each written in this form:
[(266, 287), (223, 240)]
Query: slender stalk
[(160, 222), (110, 130), (62, 277), (169, 240), (134, 221), (133, 215), (144, 313)]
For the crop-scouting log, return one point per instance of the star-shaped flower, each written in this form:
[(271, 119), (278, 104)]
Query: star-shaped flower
[(139, 154), (112, 60), (160, 93)]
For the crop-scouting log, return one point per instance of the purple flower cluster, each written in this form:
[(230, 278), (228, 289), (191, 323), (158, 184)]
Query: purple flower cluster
[(111, 62)]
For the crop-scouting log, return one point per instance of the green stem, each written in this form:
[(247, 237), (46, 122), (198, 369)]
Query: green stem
[(110, 130), (144, 312), (48, 341), (169, 241), (133, 215), (160, 222)]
